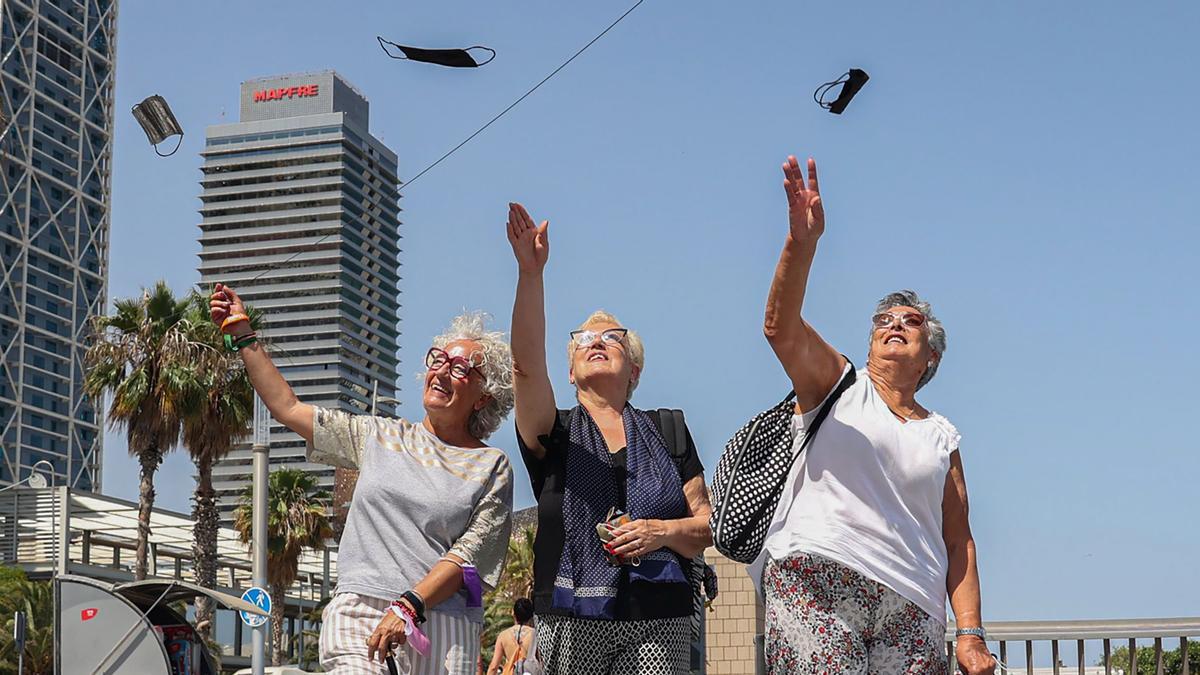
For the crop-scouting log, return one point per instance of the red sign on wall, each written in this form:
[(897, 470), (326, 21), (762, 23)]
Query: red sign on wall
[(285, 92), (88, 614)]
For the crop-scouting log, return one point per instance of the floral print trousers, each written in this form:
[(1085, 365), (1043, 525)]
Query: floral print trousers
[(823, 617)]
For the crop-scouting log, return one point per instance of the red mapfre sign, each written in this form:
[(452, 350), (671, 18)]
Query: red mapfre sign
[(285, 92)]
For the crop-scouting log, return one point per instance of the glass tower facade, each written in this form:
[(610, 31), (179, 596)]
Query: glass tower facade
[(56, 111)]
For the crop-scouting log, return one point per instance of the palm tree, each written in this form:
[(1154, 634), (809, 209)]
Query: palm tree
[(218, 408), (137, 354), (297, 519), (516, 581), (36, 599)]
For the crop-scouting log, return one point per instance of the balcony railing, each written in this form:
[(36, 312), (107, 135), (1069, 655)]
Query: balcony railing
[(54, 530), (1090, 644)]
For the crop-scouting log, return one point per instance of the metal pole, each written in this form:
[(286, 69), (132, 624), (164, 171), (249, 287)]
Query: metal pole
[(261, 449), (19, 640), (374, 398)]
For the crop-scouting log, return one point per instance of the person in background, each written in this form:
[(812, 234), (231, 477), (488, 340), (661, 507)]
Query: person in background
[(516, 646)]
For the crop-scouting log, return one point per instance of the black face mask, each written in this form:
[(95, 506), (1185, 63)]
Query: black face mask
[(851, 82), (159, 123), (453, 58)]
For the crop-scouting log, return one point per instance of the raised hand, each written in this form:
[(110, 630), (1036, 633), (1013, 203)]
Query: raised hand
[(806, 214), (223, 303), (530, 243)]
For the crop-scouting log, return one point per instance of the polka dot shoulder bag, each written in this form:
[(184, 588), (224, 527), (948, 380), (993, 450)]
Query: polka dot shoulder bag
[(751, 473)]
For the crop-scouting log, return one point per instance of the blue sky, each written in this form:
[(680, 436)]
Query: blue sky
[(1029, 167)]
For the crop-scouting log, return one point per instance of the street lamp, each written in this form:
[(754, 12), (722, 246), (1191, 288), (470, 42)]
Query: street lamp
[(376, 399), (36, 478)]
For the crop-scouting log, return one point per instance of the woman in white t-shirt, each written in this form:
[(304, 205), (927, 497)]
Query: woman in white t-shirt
[(871, 533)]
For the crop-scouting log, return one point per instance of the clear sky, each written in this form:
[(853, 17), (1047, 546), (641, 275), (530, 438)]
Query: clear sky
[(1030, 167)]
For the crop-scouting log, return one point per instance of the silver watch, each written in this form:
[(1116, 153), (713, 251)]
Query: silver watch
[(977, 632)]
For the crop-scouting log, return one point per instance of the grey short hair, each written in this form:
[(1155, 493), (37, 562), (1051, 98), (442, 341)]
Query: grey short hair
[(937, 332), (497, 369)]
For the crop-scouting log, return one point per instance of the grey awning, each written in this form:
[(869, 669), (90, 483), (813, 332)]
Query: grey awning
[(144, 593)]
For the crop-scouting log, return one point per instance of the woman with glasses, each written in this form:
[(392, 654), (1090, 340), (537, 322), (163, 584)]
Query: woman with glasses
[(871, 533), (622, 506), (429, 523)]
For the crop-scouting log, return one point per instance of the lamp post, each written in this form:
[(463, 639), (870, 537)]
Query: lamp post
[(19, 640), (258, 526), (376, 399), (36, 478)]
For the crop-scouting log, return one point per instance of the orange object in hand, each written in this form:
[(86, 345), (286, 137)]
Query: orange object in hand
[(231, 320)]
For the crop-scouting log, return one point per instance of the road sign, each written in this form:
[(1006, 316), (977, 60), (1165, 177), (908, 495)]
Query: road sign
[(259, 598)]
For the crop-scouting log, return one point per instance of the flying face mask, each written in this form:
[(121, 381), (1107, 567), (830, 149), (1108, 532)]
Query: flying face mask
[(452, 58), (159, 123), (851, 82)]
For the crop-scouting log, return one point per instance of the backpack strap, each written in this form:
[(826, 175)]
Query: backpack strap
[(674, 431), (843, 384)]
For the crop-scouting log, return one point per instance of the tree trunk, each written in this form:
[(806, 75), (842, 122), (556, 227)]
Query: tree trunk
[(277, 604), (149, 460), (204, 544)]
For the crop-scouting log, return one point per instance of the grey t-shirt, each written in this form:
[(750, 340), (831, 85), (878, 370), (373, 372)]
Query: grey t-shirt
[(416, 500)]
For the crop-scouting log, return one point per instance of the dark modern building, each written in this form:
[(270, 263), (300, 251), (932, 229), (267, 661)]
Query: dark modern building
[(301, 216), (56, 120)]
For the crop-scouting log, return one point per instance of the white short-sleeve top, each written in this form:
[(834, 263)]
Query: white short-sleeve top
[(867, 493)]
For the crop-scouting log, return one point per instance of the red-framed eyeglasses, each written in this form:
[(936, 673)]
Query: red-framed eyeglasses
[(460, 366)]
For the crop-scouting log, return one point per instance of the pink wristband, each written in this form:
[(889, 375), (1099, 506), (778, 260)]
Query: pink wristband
[(415, 637)]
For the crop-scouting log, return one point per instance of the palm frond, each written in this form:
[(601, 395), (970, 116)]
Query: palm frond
[(297, 519)]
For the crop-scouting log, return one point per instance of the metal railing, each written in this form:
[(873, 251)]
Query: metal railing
[(48, 530), (1099, 635), (54, 530), (1093, 642)]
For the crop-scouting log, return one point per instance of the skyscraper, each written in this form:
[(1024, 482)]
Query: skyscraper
[(301, 216), (56, 96)]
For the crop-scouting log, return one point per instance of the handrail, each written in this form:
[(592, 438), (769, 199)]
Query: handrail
[(1107, 629)]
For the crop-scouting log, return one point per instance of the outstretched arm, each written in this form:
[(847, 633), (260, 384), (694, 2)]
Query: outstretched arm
[(275, 392), (813, 366), (531, 381)]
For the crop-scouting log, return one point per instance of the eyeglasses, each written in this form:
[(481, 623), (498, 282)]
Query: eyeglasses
[(460, 366), (586, 338), (907, 319)]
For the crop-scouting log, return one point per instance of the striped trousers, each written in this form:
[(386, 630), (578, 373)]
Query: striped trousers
[(349, 619)]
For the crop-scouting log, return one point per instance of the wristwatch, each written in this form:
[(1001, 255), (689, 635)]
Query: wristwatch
[(977, 632)]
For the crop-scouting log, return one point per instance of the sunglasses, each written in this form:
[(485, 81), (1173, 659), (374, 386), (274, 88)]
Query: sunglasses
[(460, 366), (586, 338), (906, 319)]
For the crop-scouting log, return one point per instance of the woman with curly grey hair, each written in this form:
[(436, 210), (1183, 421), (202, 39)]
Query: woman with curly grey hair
[(429, 523), (871, 531)]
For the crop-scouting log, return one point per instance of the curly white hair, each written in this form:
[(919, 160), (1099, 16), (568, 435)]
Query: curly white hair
[(496, 365)]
